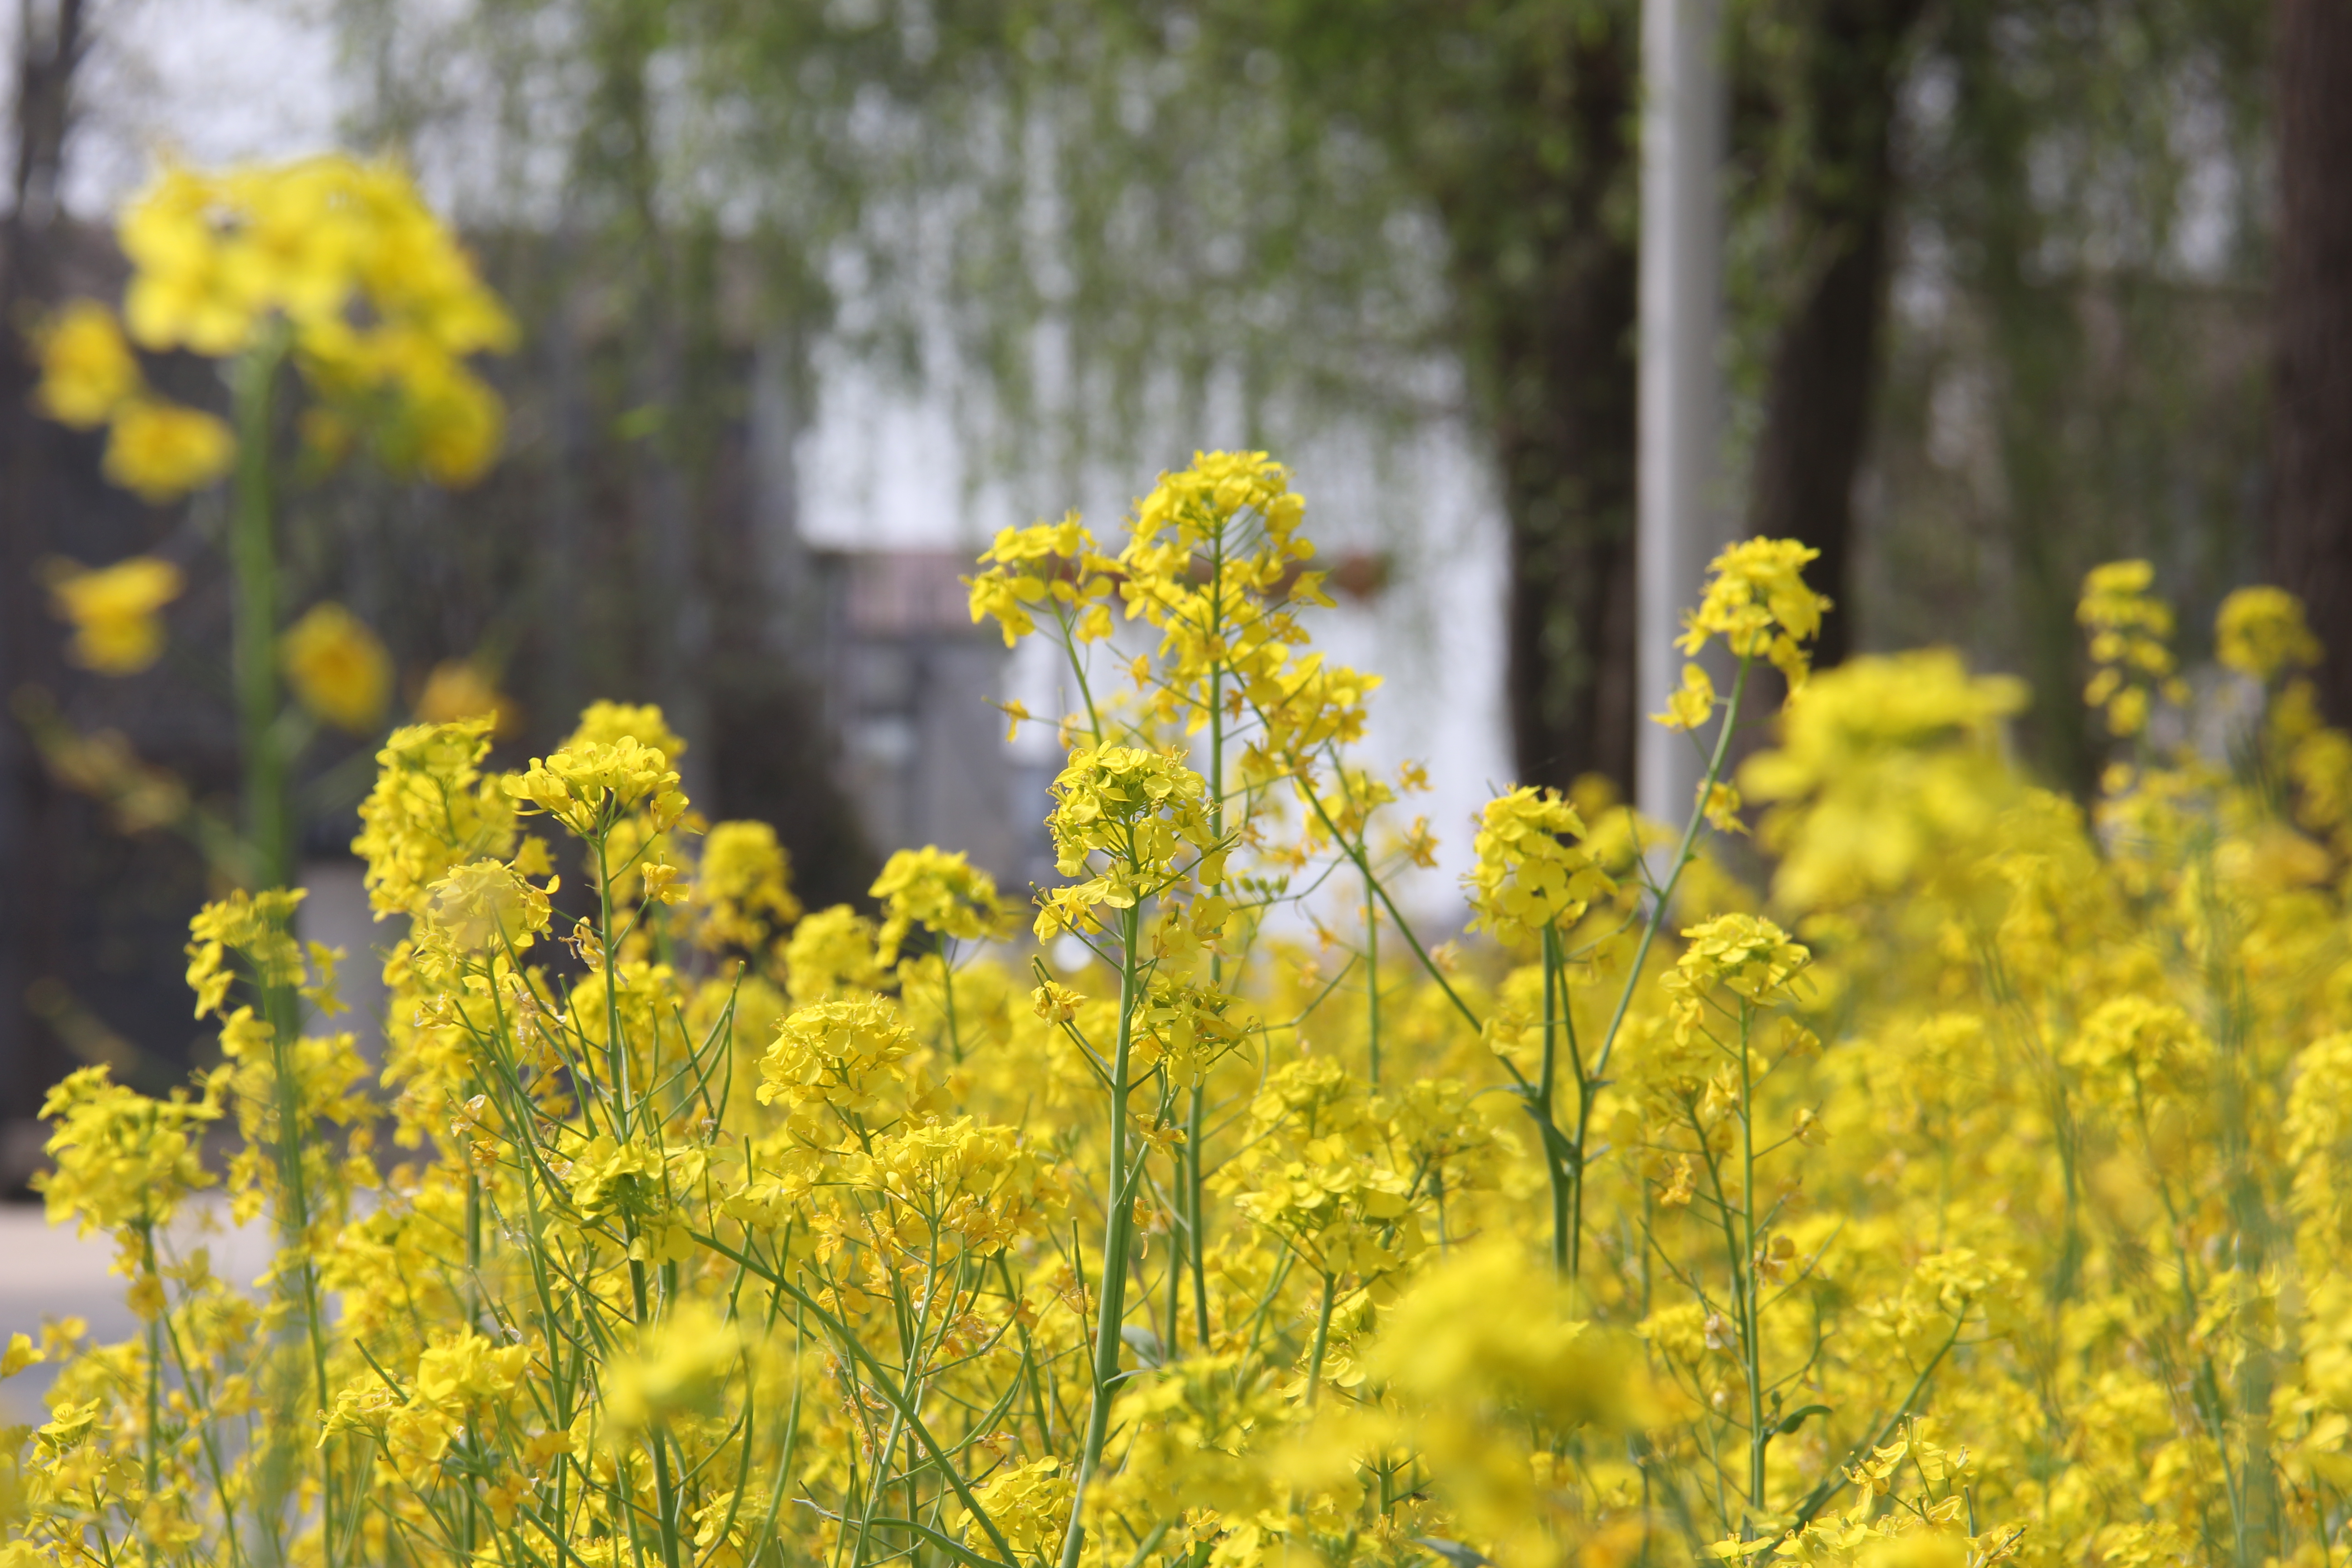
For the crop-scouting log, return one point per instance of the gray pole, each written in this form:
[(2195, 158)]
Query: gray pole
[(1679, 484)]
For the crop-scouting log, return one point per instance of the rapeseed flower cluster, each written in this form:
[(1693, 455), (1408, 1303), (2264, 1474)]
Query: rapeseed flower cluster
[(1978, 1191), (332, 260)]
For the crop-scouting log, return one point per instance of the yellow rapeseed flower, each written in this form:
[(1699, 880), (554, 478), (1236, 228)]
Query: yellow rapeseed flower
[(1050, 564), (604, 723), (377, 302), (2131, 644), (1532, 870), (2261, 632), (113, 610), (88, 371), (161, 451), (933, 888), (431, 811), (338, 667), (1693, 705), (1758, 601), (742, 890), (588, 786), (461, 689)]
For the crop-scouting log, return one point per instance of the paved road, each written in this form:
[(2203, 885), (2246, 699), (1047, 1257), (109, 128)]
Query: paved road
[(48, 1273)]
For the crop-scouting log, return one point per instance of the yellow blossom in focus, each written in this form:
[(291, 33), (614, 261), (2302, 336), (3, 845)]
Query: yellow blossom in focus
[(431, 811), (1532, 870), (1127, 815), (338, 667), (1048, 565), (1758, 601), (120, 1158), (604, 723), (113, 610), (1746, 955), (588, 786), (1029, 1504), (88, 371), (161, 451)]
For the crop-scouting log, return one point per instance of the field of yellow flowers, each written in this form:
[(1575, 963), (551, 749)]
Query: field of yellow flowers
[(1974, 1191)]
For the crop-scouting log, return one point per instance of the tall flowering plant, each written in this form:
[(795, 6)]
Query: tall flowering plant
[(331, 272)]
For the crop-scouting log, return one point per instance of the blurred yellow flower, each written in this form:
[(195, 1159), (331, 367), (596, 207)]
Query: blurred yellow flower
[(380, 304), (459, 689), (339, 669), (2261, 632), (1693, 705), (181, 293), (113, 610), (87, 370), (161, 451)]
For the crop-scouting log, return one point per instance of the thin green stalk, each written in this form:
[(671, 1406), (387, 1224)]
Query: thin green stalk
[(253, 562), (1372, 977), (1322, 1341), (295, 1216), (154, 1362), (1750, 1285), (1118, 1234), (1555, 1168), (1683, 854)]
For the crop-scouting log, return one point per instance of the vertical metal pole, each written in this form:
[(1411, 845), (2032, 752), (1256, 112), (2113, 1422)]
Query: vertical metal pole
[(1679, 484)]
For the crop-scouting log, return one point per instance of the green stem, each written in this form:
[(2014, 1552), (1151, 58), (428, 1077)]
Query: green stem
[(1322, 1341), (1751, 1341), (1682, 853), (1372, 975), (1556, 1168), (1118, 1233), (154, 1360), (253, 562)]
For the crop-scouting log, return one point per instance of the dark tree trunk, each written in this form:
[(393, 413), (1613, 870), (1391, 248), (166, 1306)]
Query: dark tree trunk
[(1548, 276), (47, 57), (2311, 450), (1824, 367)]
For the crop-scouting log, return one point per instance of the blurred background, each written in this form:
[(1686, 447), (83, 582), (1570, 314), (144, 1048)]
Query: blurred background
[(816, 294)]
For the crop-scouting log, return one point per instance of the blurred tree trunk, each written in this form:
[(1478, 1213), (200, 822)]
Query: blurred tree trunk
[(1546, 274), (2035, 332), (2311, 523), (1824, 367), (50, 42)]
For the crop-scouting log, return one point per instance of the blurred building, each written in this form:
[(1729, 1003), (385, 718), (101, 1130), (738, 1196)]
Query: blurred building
[(909, 687)]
